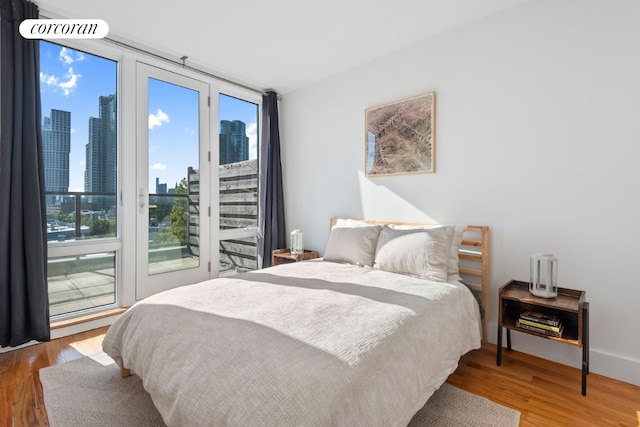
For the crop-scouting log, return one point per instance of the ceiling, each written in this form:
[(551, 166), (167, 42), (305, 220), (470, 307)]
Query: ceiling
[(277, 44)]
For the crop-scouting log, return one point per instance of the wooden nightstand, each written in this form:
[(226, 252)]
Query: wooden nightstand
[(280, 256), (570, 307)]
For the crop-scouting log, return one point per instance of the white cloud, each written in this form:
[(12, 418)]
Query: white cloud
[(69, 81), (70, 85), (65, 57), (158, 119), (48, 79), (159, 166), (252, 134), (82, 162), (67, 86)]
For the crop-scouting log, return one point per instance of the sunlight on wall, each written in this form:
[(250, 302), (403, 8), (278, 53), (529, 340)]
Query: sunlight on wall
[(380, 203)]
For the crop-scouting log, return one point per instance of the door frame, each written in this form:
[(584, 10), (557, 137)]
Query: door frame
[(146, 284)]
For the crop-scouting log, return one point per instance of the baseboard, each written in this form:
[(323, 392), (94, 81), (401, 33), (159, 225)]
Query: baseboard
[(88, 325), (73, 328), (615, 366), (600, 361)]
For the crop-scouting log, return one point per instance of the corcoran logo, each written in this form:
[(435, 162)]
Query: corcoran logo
[(64, 29)]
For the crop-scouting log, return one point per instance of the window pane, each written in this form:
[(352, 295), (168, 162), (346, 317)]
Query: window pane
[(174, 178), (238, 182), (79, 133), (63, 213), (81, 282), (80, 143)]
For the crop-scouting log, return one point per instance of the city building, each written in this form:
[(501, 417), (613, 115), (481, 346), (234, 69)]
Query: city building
[(101, 154), (160, 188), (234, 143), (56, 142)]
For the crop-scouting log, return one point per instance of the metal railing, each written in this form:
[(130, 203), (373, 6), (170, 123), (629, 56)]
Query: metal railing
[(61, 203), (94, 274)]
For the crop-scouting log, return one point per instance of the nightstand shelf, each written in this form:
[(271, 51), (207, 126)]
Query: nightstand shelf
[(281, 256), (569, 306)]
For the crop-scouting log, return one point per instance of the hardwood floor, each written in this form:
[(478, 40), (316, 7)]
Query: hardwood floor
[(21, 399), (546, 393)]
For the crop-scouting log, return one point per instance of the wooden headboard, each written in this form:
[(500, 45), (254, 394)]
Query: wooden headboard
[(473, 263)]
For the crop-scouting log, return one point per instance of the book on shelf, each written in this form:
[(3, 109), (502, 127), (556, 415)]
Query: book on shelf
[(541, 331), (541, 325), (547, 319)]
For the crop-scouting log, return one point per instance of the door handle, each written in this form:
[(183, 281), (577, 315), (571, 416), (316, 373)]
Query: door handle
[(142, 199)]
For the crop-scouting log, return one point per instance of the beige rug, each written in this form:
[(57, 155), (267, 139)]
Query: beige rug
[(89, 392)]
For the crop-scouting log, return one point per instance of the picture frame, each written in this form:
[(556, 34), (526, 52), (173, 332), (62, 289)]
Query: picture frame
[(400, 137)]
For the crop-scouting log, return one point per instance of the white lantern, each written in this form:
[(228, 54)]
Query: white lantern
[(297, 245), (543, 279)]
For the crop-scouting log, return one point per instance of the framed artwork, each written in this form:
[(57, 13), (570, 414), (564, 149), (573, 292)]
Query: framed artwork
[(399, 137)]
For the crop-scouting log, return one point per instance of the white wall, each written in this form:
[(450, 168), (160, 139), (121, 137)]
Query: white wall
[(537, 136)]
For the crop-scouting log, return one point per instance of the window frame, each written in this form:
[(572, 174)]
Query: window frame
[(107, 244), (238, 233), (244, 232)]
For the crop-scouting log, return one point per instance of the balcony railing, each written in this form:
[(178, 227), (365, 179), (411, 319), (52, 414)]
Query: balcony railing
[(88, 280), (76, 215)]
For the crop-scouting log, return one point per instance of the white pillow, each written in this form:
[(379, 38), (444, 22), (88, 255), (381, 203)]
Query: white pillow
[(353, 245), (453, 268), (421, 252), (453, 264)]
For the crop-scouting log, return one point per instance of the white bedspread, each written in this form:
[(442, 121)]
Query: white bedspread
[(312, 343)]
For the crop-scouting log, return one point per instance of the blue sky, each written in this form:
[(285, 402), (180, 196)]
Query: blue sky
[(73, 81)]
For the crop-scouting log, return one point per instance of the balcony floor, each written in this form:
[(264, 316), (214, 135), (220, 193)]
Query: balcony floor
[(81, 291), (90, 289)]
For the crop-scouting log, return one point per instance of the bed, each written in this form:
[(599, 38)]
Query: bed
[(346, 340)]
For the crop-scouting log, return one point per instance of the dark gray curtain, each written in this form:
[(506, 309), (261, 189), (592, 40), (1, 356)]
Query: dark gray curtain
[(273, 235), (24, 300)]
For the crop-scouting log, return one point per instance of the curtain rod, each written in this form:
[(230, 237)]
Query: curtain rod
[(172, 61), (184, 65)]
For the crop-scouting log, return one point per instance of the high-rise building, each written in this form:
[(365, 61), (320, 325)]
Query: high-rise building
[(234, 143), (160, 188), (101, 153), (56, 144)]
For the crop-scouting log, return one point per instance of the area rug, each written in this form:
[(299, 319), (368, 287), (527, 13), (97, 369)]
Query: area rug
[(89, 392)]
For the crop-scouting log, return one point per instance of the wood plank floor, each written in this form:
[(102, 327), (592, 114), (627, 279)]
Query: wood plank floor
[(546, 393)]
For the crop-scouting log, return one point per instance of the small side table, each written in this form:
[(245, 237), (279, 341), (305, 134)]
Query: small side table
[(570, 306), (281, 256)]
